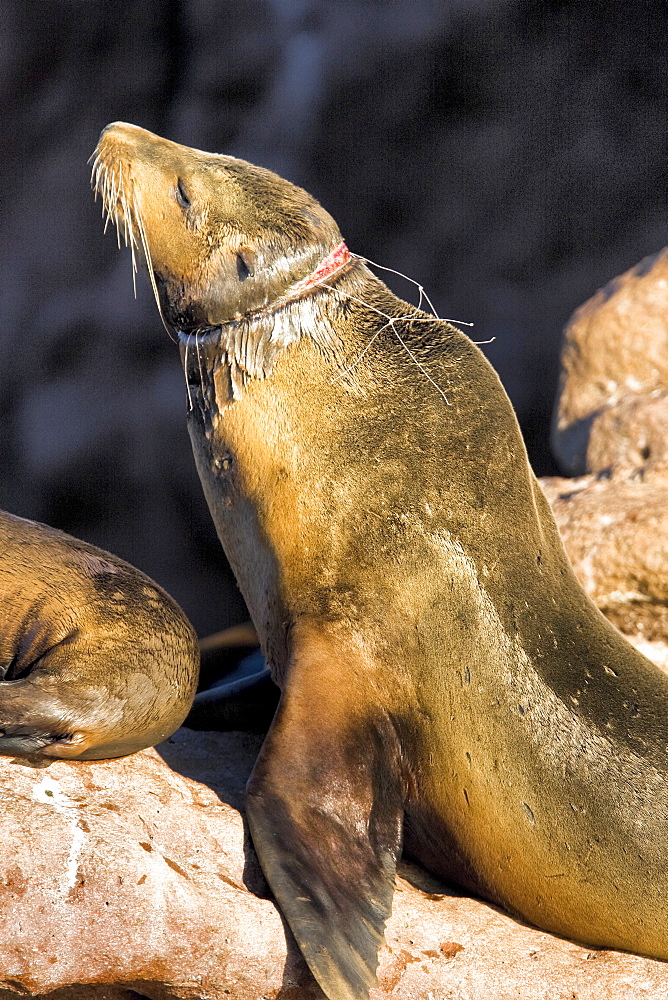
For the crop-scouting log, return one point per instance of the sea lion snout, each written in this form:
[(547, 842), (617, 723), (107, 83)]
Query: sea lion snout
[(133, 141)]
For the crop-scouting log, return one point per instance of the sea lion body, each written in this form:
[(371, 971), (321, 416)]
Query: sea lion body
[(445, 679), (96, 660)]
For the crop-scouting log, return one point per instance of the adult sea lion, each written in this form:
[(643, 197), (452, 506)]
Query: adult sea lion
[(95, 659), (446, 683)]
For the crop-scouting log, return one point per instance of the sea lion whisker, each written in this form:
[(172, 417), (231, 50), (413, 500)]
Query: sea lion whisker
[(125, 220), (120, 196), (149, 267), (199, 358), (185, 372), (115, 194), (112, 189), (106, 199), (128, 233), (130, 238), (134, 270), (95, 173), (133, 255), (130, 241)]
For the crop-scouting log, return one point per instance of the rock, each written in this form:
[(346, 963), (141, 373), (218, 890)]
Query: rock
[(616, 536), (136, 876), (611, 419), (631, 437), (612, 406)]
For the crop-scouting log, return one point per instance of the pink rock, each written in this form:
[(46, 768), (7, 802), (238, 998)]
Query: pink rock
[(135, 876)]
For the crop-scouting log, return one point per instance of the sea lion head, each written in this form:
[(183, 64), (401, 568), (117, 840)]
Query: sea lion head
[(219, 237)]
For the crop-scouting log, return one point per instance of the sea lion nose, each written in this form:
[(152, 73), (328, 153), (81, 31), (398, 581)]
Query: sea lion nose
[(112, 126), (126, 131)]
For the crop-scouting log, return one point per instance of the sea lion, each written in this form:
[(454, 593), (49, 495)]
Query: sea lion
[(446, 683), (96, 660)]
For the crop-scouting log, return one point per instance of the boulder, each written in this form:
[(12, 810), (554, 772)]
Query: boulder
[(611, 423), (612, 410), (137, 877)]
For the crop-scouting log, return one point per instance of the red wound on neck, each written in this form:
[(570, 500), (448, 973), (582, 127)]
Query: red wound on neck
[(335, 260)]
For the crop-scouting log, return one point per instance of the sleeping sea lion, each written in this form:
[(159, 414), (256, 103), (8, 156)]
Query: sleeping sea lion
[(95, 659), (446, 683)]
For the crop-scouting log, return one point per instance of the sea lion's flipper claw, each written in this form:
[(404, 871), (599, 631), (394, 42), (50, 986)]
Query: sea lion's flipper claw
[(325, 808)]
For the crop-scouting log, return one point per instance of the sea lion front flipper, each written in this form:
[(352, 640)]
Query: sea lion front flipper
[(325, 806)]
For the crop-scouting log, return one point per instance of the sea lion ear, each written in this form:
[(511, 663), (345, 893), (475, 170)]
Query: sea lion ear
[(246, 260), (325, 807)]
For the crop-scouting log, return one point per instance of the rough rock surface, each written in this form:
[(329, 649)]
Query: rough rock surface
[(137, 877), (611, 418), (631, 437), (616, 535), (612, 407)]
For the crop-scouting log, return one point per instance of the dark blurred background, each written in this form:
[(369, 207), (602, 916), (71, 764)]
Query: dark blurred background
[(511, 156)]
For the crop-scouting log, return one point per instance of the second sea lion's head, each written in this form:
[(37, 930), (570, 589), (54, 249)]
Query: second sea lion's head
[(220, 238)]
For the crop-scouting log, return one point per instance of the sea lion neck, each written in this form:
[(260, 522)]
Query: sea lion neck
[(219, 237), (250, 345)]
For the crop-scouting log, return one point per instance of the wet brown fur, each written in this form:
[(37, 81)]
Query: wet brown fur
[(442, 671), (96, 660)]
